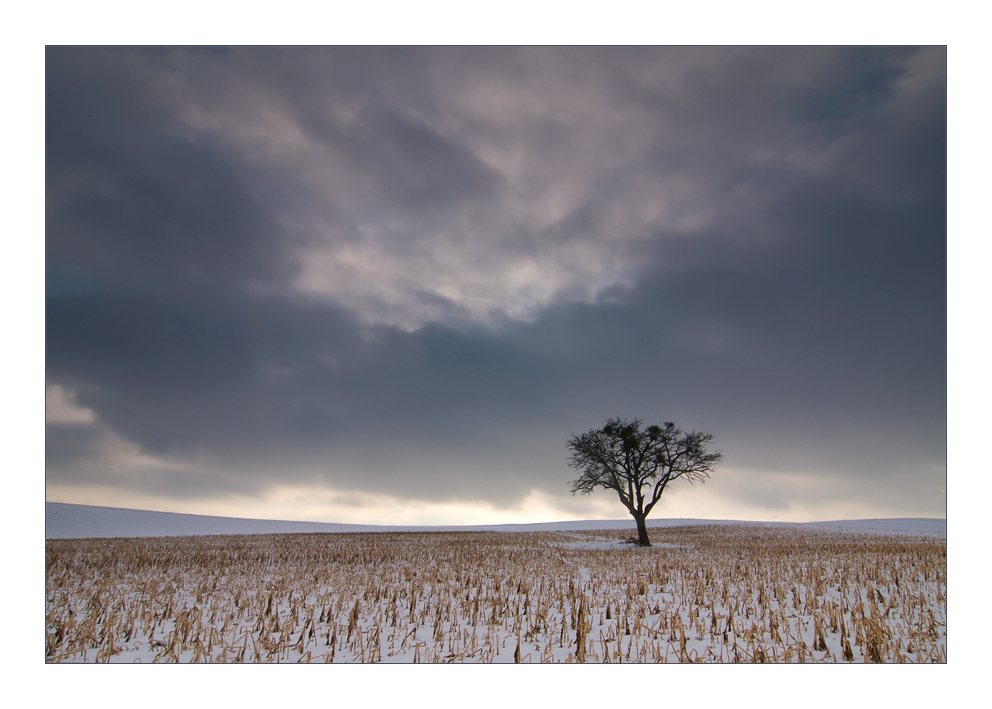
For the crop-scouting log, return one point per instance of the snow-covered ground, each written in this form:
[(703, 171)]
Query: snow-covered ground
[(64, 521), (716, 593), (133, 586)]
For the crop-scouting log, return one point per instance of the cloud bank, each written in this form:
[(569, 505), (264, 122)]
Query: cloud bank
[(386, 280)]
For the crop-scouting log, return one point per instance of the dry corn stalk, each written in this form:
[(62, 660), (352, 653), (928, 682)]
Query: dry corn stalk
[(708, 594)]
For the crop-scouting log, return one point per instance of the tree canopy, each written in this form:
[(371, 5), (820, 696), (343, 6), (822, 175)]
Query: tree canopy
[(638, 463)]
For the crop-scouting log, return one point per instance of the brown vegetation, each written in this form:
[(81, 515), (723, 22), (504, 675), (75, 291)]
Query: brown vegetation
[(702, 594)]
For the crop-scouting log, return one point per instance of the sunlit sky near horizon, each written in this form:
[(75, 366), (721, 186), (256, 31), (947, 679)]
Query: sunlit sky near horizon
[(384, 285)]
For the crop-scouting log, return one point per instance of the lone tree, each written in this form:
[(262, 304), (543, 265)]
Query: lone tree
[(638, 464)]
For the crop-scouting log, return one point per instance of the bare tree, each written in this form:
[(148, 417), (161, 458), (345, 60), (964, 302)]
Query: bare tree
[(638, 464)]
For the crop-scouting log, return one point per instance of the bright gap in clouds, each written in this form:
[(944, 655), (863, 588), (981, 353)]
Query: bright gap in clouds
[(732, 493), (323, 504), (318, 503)]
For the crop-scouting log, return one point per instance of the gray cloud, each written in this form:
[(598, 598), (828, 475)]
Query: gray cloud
[(419, 270)]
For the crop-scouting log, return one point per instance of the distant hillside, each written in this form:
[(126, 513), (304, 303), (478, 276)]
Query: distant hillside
[(63, 521)]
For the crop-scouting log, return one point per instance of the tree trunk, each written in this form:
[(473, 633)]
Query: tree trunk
[(642, 531)]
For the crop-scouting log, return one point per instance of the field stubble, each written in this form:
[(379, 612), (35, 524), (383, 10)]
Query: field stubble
[(702, 594)]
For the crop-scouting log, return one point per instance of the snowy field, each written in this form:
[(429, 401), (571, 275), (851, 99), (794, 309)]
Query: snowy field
[(851, 591)]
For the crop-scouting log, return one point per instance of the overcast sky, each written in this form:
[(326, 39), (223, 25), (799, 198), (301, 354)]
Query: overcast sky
[(386, 285)]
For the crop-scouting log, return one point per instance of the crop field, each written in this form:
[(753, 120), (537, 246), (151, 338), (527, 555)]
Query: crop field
[(736, 593)]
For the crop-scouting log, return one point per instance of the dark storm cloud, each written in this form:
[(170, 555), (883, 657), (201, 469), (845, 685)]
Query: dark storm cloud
[(418, 271), (134, 199), (274, 380)]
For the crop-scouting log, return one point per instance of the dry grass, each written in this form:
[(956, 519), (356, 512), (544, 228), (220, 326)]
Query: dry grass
[(710, 594)]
